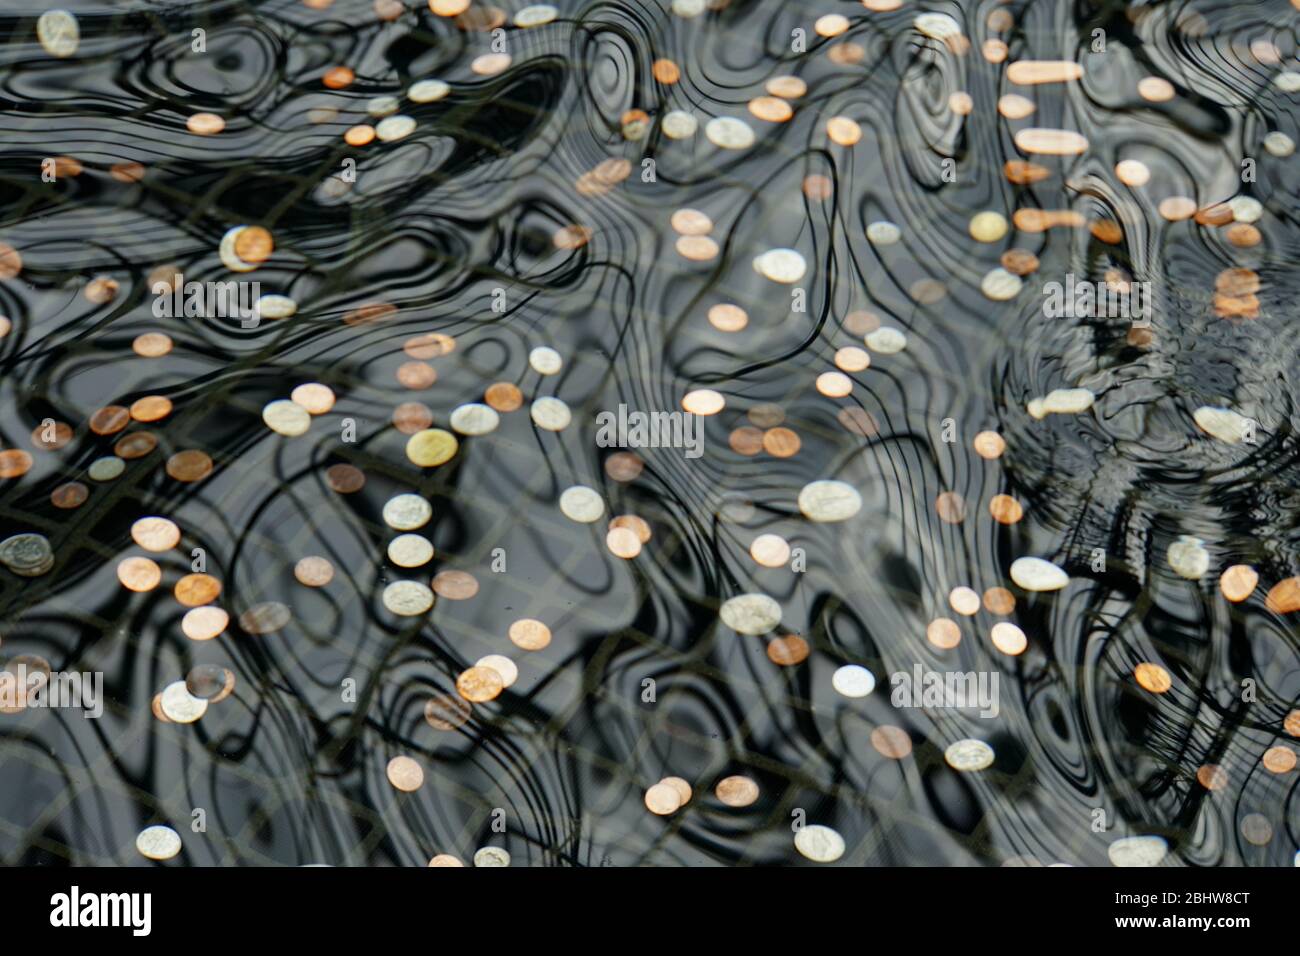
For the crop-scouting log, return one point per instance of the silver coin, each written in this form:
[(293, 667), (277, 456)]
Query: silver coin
[(286, 418), (24, 552), (582, 504), (727, 132), (410, 550), (1138, 851), (180, 705), (819, 844), (394, 128), (829, 500), (407, 512), (750, 613), (428, 91), (550, 413), (678, 124), (58, 32), (474, 418), (969, 755), (408, 598), (491, 856), (106, 468), (158, 842)]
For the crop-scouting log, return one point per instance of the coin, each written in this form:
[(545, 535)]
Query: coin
[(345, 479), (180, 706), (445, 859), (155, 534), (999, 601), (209, 682), (479, 684), (829, 500), (412, 417), (286, 418), (195, 589), (943, 633), (151, 408), (491, 856), (265, 618), (964, 601), (410, 550), (73, 494), (405, 774), (818, 843), (407, 512), (736, 791), (1137, 851), (1152, 677), (1035, 574), (313, 571), (503, 396), (623, 543), (781, 265), (1212, 777), (892, 742), (431, 447), (474, 419), (582, 504), (446, 711), (189, 466), (27, 555), (408, 598), (529, 634), (254, 244), (58, 32), (14, 463), (205, 124), (135, 445), (788, 651), (1279, 759), (969, 755), (455, 585), (550, 413), (853, 680), (624, 466), (770, 550), (204, 623), (110, 419), (106, 468), (158, 842), (316, 398), (502, 665), (662, 799), (1008, 638), (139, 574)]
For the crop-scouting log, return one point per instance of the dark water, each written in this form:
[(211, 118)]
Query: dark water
[(452, 227)]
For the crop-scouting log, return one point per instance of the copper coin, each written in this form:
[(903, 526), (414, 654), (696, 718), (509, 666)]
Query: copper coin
[(313, 571), (858, 421), (155, 534), (429, 346), (1212, 777), (447, 711), (195, 589), (503, 396), (1292, 723), (1243, 235), (416, 375), (989, 445), (110, 419), (318, 399), (736, 791), (139, 574), (788, 651), (14, 463), (1019, 262), (746, 440), (637, 524), (999, 601), (70, 495), (405, 774), (1107, 231), (204, 623), (665, 71), (11, 262), (128, 172), (338, 77), (100, 290), (479, 684), (135, 445), (412, 417), (455, 585), (151, 408), (818, 188), (191, 465), (530, 635), (661, 799), (1152, 677), (1005, 509), (371, 311), (950, 507), (254, 244), (1284, 597), (1279, 759), (265, 618), (445, 859), (345, 479), (50, 437), (892, 742), (571, 237), (1238, 582), (771, 109), (781, 442), (624, 466), (205, 124), (943, 633), (726, 317), (767, 415)]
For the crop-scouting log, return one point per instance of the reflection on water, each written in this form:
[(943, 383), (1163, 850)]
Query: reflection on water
[(401, 324)]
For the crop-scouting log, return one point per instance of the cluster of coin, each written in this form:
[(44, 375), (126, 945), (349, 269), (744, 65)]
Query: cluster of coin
[(27, 555)]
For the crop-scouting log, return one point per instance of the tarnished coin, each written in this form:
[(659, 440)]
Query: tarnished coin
[(447, 711), (106, 468), (210, 682), (28, 554), (479, 684), (750, 613), (265, 618), (180, 706), (158, 842), (191, 465), (405, 774), (408, 598)]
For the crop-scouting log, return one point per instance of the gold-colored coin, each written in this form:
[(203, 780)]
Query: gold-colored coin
[(431, 447), (530, 635), (139, 574), (195, 589), (479, 684)]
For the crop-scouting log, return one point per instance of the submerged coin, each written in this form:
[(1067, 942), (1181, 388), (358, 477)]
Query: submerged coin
[(158, 842), (853, 680), (491, 856), (431, 447), (969, 755), (410, 550), (736, 791), (550, 414), (180, 706), (530, 635), (446, 711), (1137, 851), (265, 618), (204, 623), (287, 418), (662, 799), (405, 774), (829, 500), (582, 504), (818, 843), (479, 684), (750, 613), (155, 534), (407, 512), (407, 598)]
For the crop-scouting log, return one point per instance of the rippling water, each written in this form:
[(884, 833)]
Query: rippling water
[(452, 229)]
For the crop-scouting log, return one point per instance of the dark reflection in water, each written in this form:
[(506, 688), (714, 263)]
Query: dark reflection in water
[(453, 230)]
